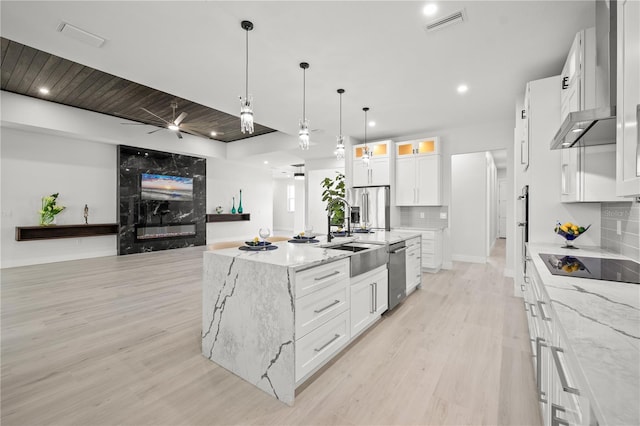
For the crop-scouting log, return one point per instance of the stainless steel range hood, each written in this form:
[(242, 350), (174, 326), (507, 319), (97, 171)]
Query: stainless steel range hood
[(596, 126)]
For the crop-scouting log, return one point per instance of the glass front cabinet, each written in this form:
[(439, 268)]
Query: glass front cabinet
[(418, 165)]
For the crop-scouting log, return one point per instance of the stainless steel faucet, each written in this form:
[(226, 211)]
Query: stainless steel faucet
[(347, 216)]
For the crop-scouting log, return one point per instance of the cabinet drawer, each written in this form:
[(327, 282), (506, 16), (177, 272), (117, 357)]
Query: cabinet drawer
[(320, 277), (318, 307), (428, 235), (321, 344), (429, 247), (413, 242)]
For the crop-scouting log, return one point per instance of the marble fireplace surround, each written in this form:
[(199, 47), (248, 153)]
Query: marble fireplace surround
[(150, 225)]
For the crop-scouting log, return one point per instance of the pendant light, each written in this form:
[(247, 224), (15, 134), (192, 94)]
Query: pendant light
[(303, 134), (366, 155), (246, 113), (340, 144)]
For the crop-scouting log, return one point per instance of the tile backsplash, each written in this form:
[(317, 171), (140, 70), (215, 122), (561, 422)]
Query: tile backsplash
[(410, 217), (628, 242)]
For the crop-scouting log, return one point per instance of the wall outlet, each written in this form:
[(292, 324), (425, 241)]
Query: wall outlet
[(421, 215), (619, 227), (443, 215)]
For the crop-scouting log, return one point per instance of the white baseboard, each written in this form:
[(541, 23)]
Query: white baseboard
[(470, 259), (447, 265), (508, 273)]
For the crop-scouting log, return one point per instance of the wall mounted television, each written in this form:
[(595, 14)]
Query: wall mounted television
[(166, 188)]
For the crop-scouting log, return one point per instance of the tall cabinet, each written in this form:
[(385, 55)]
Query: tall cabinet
[(628, 100), (418, 172), (378, 171)]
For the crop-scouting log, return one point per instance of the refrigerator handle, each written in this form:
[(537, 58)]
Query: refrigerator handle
[(365, 207)]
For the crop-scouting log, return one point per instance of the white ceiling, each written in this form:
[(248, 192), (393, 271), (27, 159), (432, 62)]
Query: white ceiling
[(378, 51)]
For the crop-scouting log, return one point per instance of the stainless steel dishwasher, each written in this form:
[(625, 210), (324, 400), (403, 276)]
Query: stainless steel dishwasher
[(397, 274)]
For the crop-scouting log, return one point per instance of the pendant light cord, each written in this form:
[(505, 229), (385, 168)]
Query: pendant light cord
[(340, 114), (304, 73), (246, 83), (365, 129)]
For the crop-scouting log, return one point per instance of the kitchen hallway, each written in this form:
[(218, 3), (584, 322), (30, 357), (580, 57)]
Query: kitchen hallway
[(116, 340)]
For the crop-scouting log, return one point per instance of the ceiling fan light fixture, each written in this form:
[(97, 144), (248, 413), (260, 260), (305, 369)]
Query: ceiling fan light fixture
[(173, 127), (246, 113), (303, 133)]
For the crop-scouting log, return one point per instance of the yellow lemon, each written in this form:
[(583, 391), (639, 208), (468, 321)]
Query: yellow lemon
[(256, 239), (568, 225), (574, 228)]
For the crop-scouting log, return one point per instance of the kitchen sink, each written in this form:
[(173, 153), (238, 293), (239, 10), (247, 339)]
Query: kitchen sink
[(366, 257)]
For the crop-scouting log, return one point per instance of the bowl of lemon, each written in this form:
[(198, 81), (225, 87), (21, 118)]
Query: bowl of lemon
[(570, 231)]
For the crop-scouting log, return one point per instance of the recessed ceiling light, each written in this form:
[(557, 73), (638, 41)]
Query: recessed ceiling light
[(430, 9), (372, 124), (462, 88), (566, 143), (173, 127), (577, 130), (266, 162), (214, 134), (44, 90)]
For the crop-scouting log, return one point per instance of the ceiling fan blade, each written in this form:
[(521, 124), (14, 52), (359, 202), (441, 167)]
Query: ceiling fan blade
[(155, 115), (181, 117), (153, 131), (136, 124), (179, 135)]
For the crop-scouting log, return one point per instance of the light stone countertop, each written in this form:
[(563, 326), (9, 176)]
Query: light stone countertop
[(299, 256), (419, 228), (601, 320)]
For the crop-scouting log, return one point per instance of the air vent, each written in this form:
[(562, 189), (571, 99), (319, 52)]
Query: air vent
[(80, 34), (455, 18)]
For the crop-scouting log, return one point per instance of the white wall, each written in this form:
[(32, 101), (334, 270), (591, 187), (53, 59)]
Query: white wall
[(468, 210), (225, 179), (35, 165)]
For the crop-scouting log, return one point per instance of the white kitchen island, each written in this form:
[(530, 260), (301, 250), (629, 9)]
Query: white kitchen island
[(275, 317)]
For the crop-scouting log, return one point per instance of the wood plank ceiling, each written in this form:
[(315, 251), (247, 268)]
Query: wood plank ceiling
[(25, 70)]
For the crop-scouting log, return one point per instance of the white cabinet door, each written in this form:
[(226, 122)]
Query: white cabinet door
[(381, 293), (379, 171), (405, 181), (428, 180), (361, 305), (569, 183), (413, 267), (524, 139), (570, 93), (628, 100), (360, 174)]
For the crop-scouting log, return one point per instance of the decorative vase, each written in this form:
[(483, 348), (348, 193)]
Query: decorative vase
[(240, 203), (46, 220), (219, 209), (233, 209)]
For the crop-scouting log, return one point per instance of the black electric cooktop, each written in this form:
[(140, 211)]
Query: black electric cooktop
[(620, 270)]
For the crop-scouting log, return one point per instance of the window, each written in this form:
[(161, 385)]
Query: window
[(291, 198)]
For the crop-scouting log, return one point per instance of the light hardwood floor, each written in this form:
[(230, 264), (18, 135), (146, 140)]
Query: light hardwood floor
[(116, 340)]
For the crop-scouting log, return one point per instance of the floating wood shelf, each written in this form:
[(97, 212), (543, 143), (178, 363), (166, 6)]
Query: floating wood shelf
[(30, 233), (226, 217)]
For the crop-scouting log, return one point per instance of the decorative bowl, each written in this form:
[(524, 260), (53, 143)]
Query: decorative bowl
[(569, 235)]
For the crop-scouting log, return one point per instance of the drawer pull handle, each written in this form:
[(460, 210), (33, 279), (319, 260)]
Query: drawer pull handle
[(336, 337), (522, 287), (542, 312), (533, 312), (555, 420), (561, 371), (539, 345), (335, 302), (327, 276)]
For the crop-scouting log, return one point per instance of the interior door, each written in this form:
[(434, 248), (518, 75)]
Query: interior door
[(502, 208)]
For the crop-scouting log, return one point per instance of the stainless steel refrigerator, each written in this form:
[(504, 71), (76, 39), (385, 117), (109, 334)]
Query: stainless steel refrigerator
[(369, 207)]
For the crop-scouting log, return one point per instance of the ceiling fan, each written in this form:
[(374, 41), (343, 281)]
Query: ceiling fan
[(176, 124)]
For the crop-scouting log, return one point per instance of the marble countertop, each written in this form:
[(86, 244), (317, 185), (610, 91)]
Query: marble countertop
[(299, 256), (419, 228), (601, 320)]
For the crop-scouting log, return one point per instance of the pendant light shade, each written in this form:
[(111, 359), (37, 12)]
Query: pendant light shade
[(340, 139), (303, 134), (366, 155), (246, 113)]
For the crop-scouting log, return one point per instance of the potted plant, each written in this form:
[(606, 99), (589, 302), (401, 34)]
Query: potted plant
[(49, 209), (334, 188)]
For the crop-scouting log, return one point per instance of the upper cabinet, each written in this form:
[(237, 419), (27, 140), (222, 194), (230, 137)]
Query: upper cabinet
[(578, 80), (628, 100), (378, 171), (418, 179)]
